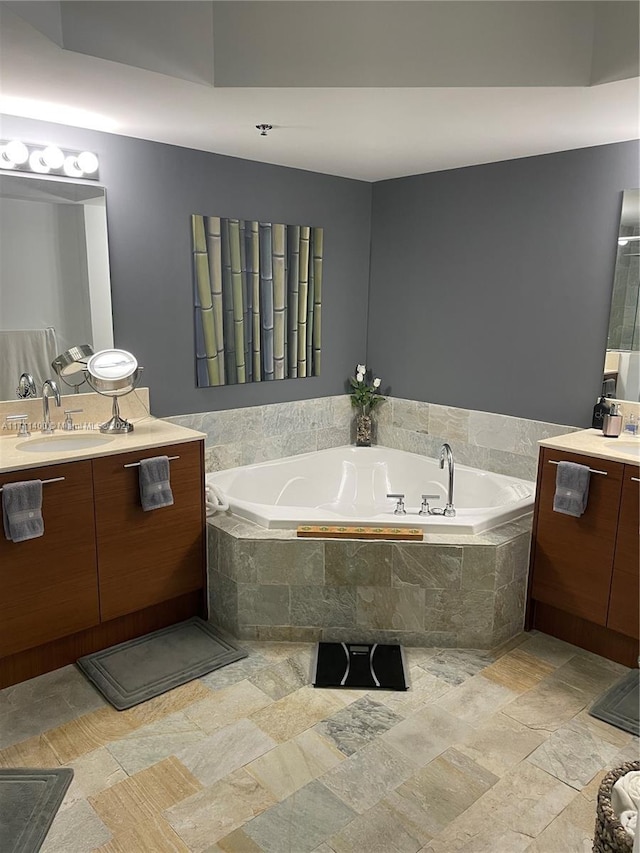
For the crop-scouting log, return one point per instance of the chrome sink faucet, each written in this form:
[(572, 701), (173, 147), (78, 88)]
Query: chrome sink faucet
[(48, 387), (447, 453)]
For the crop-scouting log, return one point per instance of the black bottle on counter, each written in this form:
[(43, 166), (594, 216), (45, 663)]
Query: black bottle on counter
[(600, 409)]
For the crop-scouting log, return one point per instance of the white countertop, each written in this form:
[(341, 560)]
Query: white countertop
[(148, 432), (591, 442)]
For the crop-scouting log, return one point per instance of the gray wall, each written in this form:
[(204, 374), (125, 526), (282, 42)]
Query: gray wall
[(152, 190), (491, 285)]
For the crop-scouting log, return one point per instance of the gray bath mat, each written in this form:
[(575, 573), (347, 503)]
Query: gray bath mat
[(29, 800), (619, 705), (140, 669)]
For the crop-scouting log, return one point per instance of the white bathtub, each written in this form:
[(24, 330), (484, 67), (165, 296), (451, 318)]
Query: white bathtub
[(349, 485)]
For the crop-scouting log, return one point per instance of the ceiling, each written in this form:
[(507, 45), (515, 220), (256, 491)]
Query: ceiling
[(361, 89)]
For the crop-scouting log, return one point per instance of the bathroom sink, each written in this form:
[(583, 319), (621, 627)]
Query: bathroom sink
[(626, 446), (51, 443)]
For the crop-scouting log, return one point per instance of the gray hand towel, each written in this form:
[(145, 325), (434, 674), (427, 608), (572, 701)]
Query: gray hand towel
[(155, 490), (22, 510), (572, 489)]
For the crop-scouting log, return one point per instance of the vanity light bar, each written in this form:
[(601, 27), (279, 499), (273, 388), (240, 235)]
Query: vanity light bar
[(47, 160)]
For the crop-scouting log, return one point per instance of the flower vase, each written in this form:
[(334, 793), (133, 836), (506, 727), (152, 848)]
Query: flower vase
[(364, 428)]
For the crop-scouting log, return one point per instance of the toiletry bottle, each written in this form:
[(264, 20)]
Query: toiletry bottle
[(612, 423), (631, 424), (600, 409)]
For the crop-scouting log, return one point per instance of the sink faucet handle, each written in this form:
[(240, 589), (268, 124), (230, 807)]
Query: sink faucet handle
[(68, 420), (399, 510), (23, 429)]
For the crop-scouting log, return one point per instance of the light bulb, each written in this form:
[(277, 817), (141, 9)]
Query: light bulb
[(53, 157), (17, 151), (88, 162), (36, 162), (71, 167)]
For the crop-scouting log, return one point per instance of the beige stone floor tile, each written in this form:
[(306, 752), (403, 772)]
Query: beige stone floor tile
[(547, 706), (571, 832), (156, 741), (476, 700), (426, 734), (77, 829), (168, 703), (425, 689), (92, 773), (166, 783), (518, 671), (86, 733), (380, 830), (605, 731), (227, 706), (444, 789), (484, 837), (236, 842), (589, 673), (226, 750), (34, 752), (156, 837), (548, 648), (291, 765), (590, 791), (215, 812), (368, 776), (291, 715), (276, 651), (501, 743)]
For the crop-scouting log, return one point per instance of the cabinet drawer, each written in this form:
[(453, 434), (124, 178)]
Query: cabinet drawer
[(49, 584), (625, 588), (148, 557), (573, 557)]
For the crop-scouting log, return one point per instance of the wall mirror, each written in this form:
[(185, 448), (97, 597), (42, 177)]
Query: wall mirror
[(622, 359), (54, 274), (257, 300)]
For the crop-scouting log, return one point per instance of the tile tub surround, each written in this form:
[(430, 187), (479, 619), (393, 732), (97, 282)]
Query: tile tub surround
[(454, 592), (491, 442)]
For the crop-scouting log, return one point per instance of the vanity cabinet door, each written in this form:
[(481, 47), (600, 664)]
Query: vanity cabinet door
[(623, 606), (49, 585), (573, 557), (145, 558)]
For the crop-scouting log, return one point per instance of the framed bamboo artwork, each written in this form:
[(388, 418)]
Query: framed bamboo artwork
[(257, 300)]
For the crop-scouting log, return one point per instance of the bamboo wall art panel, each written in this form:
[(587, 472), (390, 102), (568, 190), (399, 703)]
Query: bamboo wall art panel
[(257, 300)]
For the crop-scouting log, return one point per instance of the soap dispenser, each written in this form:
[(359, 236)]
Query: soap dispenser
[(600, 409), (612, 423)]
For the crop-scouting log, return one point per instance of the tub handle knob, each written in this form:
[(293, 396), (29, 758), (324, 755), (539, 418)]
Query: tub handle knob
[(399, 510), (424, 506)]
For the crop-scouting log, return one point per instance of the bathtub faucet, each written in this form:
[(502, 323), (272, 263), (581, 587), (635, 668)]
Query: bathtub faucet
[(447, 453)]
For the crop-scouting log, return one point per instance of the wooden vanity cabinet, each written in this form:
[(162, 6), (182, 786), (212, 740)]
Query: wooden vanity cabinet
[(583, 579), (49, 585), (105, 571), (624, 615), (147, 557)]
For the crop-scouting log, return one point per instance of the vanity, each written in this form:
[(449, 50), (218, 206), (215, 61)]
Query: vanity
[(583, 578), (104, 571)]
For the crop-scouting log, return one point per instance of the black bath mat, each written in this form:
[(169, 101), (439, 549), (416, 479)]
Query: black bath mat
[(140, 669), (369, 666), (29, 801), (619, 705)]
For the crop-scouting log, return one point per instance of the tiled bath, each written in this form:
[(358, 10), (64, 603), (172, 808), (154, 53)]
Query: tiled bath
[(454, 592)]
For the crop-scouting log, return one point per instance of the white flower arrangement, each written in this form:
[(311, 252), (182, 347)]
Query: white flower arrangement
[(364, 394)]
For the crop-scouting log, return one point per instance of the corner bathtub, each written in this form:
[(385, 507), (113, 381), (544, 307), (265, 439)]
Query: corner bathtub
[(349, 485)]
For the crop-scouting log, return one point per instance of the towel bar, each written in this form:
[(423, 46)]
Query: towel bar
[(592, 470), (52, 480), (137, 464)]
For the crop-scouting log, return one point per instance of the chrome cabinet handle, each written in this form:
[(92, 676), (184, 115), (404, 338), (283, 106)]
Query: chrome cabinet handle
[(592, 470), (137, 464), (52, 480)]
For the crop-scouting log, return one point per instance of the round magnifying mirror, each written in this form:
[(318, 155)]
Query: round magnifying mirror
[(114, 373), (72, 364)]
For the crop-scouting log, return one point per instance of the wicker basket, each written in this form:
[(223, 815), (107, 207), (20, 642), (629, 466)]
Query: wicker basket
[(610, 836)]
